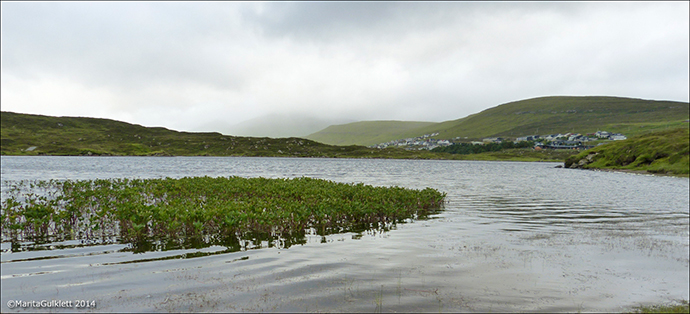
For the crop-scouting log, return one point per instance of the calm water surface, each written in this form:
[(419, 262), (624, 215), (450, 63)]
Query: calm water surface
[(513, 237)]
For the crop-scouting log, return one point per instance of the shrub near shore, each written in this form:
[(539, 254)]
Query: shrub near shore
[(203, 208)]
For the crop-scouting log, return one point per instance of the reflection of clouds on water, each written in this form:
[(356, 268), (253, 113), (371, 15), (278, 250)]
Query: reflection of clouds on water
[(513, 237)]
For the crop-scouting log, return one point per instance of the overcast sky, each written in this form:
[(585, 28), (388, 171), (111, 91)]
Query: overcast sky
[(190, 66)]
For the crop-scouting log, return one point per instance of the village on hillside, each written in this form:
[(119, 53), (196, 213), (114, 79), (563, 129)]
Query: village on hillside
[(551, 141)]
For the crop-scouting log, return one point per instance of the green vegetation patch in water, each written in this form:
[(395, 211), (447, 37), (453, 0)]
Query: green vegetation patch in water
[(221, 210)]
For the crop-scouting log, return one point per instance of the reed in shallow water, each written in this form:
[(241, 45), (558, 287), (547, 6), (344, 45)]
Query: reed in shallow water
[(223, 208)]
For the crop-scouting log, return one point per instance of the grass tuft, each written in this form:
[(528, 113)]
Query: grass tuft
[(684, 307)]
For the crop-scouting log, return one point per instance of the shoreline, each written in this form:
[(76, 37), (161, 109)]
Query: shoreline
[(638, 172)]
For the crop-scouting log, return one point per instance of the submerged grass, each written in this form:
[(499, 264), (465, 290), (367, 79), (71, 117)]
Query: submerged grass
[(203, 209)]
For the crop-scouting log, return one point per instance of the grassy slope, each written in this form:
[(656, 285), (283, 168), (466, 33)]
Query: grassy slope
[(365, 132), (546, 115), (563, 114), (659, 152), (90, 136)]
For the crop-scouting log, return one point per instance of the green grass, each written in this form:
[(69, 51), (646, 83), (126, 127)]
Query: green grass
[(634, 129), (203, 209), (664, 152)]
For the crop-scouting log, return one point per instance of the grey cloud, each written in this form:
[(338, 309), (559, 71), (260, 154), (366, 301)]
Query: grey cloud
[(358, 60), (321, 20), (119, 43), (330, 21)]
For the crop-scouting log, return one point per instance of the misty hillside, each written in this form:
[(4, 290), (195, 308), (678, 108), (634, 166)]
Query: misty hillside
[(278, 125), (365, 132)]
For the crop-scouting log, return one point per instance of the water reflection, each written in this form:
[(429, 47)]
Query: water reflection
[(230, 243)]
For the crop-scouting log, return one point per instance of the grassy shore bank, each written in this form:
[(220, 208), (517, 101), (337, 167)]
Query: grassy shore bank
[(664, 152)]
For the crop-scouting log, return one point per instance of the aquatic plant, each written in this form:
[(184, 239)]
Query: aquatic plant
[(224, 210)]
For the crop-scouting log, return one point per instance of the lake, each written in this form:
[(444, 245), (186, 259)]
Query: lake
[(513, 237)]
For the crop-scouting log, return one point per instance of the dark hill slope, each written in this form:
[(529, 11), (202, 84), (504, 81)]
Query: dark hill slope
[(25, 134)]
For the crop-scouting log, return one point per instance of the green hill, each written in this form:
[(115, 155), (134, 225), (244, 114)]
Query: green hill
[(25, 134), (366, 132), (562, 114), (658, 152), (543, 115)]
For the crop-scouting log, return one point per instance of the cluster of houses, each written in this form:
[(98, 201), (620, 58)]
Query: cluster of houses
[(562, 141), (570, 140), (572, 137), (421, 142), (551, 141)]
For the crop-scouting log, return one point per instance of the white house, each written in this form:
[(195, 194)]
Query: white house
[(602, 134), (617, 137)]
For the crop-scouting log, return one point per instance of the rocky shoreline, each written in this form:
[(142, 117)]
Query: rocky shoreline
[(582, 163)]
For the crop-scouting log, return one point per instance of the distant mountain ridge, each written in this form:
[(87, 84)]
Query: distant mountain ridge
[(278, 125), (542, 115)]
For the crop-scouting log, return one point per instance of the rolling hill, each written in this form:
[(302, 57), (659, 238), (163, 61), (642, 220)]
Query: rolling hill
[(543, 115)]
